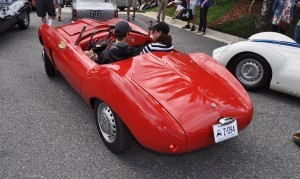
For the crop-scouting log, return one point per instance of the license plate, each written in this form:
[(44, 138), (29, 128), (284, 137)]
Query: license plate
[(95, 13), (225, 130)]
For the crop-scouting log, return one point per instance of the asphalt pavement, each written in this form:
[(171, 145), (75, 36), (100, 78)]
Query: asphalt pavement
[(47, 130)]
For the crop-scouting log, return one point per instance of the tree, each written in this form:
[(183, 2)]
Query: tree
[(264, 20)]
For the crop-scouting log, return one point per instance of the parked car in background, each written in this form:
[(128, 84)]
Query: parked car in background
[(266, 59), (95, 9), (169, 102), (122, 4), (14, 12)]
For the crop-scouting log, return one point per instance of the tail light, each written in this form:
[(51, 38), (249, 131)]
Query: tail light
[(116, 13), (74, 13)]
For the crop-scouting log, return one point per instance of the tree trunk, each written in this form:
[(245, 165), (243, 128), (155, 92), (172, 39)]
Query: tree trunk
[(264, 20)]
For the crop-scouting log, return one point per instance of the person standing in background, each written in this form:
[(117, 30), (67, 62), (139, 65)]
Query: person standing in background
[(284, 13), (60, 4), (297, 29), (43, 7), (131, 3), (204, 5), (161, 11), (191, 5)]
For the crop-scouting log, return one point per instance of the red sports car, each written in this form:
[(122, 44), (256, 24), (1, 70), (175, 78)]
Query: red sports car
[(169, 102)]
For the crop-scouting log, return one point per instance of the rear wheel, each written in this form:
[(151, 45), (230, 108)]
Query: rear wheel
[(24, 23), (114, 133), (251, 70), (49, 68)]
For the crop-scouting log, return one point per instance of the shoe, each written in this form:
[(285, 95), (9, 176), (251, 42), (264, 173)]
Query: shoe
[(186, 27), (128, 19), (193, 28), (133, 17), (59, 18), (296, 137)]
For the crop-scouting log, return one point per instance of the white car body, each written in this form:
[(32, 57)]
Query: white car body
[(281, 53)]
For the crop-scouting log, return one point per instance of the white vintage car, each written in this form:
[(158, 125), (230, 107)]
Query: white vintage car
[(266, 59)]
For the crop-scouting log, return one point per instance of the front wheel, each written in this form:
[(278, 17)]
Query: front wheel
[(49, 68), (114, 133), (24, 22), (252, 71)]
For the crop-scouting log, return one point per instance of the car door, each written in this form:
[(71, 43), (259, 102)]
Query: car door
[(68, 58), (289, 75)]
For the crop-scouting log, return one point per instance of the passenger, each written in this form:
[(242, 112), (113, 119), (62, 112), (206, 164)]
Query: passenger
[(163, 41), (119, 50)]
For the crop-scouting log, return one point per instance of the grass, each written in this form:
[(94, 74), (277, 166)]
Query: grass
[(214, 12), (242, 27)]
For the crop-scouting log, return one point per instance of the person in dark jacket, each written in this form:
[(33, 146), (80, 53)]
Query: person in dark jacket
[(119, 50)]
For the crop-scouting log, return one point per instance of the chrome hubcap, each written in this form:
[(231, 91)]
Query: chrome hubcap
[(249, 71), (106, 122)]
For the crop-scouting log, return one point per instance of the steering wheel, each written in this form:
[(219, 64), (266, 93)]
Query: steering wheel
[(100, 45)]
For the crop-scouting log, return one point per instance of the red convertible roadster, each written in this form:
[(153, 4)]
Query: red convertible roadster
[(169, 102)]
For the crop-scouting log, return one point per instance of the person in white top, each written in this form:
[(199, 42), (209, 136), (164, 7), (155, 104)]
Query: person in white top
[(192, 4)]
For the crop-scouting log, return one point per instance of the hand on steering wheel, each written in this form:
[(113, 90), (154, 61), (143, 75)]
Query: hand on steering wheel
[(100, 45)]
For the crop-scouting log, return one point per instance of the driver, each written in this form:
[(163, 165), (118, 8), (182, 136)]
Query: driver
[(119, 50)]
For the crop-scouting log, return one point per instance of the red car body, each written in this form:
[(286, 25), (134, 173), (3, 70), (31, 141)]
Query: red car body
[(164, 98)]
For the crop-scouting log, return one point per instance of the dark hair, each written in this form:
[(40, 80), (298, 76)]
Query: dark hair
[(165, 39), (120, 37)]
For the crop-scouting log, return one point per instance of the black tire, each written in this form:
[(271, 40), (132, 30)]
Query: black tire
[(49, 68), (24, 23), (252, 71), (121, 138), (122, 8)]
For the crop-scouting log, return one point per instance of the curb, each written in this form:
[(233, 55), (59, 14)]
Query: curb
[(212, 34)]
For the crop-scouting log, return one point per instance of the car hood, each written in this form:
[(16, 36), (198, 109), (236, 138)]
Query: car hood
[(193, 94), (94, 6)]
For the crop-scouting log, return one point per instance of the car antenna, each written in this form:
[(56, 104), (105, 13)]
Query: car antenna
[(82, 30)]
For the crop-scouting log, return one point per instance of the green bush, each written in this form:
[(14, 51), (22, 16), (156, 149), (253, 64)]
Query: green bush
[(242, 27)]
